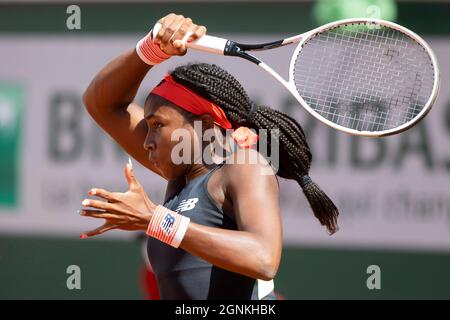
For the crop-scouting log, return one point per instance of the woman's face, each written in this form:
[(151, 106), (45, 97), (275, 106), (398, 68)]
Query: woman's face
[(163, 118)]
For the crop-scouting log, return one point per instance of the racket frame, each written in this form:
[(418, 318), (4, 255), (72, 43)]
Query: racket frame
[(310, 34)]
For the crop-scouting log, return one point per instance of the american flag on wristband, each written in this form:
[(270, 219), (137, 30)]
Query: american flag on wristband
[(168, 226)]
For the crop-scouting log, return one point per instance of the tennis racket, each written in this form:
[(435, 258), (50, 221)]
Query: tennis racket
[(366, 77)]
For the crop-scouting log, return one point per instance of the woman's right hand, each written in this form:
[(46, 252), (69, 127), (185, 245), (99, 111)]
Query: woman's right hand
[(173, 29)]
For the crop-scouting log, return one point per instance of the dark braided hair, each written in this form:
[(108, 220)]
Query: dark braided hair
[(220, 87)]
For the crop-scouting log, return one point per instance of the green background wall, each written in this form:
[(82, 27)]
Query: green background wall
[(35, 267)]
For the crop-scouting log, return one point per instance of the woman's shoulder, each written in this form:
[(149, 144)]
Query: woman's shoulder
[(246, 157), (247, 163)]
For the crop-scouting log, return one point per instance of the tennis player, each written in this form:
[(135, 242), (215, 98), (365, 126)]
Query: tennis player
[(218, 233)]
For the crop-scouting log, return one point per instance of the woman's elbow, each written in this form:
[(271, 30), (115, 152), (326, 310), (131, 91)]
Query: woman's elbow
[(268, 274), (269, 268), (88, 100)]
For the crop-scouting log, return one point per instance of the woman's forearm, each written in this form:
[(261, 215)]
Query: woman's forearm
[(115, 86), (237, 251)]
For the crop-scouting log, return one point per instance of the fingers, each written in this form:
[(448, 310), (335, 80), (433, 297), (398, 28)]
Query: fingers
[(185, 28), (102, 193), (190, 36), (175, 31), (199, 32), (169, 25), (102, 205), (99, 230), (98, 214), (133, 183)]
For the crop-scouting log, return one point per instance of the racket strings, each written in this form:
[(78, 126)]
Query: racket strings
[(362, 78)]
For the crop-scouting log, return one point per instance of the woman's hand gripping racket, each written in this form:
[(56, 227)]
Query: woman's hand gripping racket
[(365, 77)]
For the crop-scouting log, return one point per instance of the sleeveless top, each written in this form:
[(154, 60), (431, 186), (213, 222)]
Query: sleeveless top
[(181, 275)]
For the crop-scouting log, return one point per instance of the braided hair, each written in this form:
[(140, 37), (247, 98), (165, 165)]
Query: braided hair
[(220, 87)]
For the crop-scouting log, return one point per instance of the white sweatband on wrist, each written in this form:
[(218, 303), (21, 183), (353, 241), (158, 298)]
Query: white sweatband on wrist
[(150, 52), (168, 226)]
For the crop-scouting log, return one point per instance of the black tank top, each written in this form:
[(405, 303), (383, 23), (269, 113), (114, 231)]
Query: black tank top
[(181, 275)]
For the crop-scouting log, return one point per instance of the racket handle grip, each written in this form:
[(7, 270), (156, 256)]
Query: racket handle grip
[(206, 43), (209, 44)]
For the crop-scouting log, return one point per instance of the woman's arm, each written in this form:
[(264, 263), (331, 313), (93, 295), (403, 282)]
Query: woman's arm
[(109, 100), (255, 249), (109, 97)]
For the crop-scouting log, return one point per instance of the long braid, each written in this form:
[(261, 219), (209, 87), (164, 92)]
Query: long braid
[(217, 85)]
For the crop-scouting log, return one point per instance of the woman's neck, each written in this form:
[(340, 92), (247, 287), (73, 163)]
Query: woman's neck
[(197, 170)]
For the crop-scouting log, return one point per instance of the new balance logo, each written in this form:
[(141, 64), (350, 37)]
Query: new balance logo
[(187, 204), (167, 223)]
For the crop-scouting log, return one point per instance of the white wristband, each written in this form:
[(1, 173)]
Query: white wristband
[(168, 226)]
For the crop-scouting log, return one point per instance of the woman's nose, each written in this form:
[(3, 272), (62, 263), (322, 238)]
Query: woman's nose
[(149, 146)]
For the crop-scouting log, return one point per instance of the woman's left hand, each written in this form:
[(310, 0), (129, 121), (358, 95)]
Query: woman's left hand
[(131, 210)]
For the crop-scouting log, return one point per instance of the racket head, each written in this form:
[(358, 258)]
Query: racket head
[(365, 76)]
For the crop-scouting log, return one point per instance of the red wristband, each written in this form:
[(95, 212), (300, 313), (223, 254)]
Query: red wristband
[(150, 52)]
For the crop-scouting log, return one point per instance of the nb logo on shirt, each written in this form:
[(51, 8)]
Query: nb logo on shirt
[(187, 204)]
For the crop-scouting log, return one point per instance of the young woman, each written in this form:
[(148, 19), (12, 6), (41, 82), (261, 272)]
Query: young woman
[(219, 228)]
